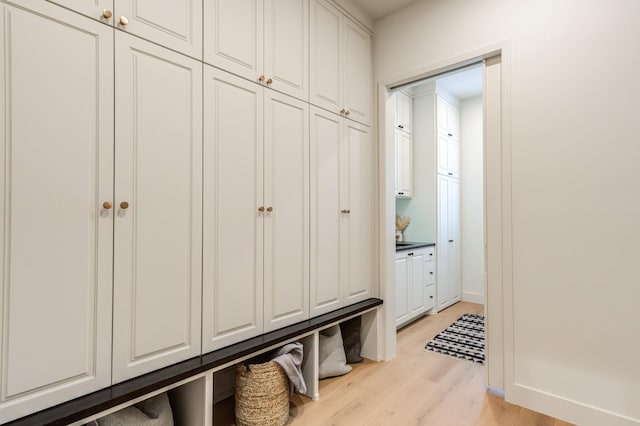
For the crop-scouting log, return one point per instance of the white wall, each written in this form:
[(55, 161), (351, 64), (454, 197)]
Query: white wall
[(575, 207), (472, 211)]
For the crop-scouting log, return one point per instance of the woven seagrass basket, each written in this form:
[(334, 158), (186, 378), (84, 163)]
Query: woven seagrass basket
[(262, 395)]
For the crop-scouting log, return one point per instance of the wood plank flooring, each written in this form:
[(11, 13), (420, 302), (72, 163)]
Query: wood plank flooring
[(417, 387)]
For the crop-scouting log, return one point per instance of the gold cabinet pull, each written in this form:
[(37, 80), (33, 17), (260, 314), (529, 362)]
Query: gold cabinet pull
[(345, 211), (343, 111), (107, 205), (261, 209), (269, 81), (261, 78), (269, 209), (107, 14), (123, 21), (347, 112), (124, 205)]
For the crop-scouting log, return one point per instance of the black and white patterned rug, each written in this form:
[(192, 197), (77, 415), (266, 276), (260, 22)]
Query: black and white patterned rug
[(462, 339)]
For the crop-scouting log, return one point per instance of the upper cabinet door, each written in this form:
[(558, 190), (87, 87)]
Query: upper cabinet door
[(176, 24), (357, 73), (286, 222), (286, 46), (404, 112), (233, 36), (233, 195), (56, 239), (158, 207), (326, 68), (101, 10)]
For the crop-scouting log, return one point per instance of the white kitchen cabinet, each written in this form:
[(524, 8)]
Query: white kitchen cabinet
[(412, 284), (56, 242), (448, 162), (157, 209), (449, 280), (256, 196), (341, 212), (175, 24), (448, 117), (340, 70), (264, 41), (404, 164), (404, 112)]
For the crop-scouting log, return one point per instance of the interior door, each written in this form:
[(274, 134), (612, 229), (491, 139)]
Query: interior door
[(56, 235), (233, 195), (158, 207), (286, 220), (176, 24)]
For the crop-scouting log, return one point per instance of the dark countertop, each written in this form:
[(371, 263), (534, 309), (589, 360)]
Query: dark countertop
[(411, 245)]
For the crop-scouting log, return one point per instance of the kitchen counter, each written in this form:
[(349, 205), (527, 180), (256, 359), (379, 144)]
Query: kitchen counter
[(410, 245)]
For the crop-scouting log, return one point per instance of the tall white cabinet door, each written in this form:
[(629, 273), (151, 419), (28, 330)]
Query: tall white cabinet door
[(286, 221), (402, 288), (358, 200), (453, 240), (357, 77), (158, 208), (286, 46), (326, 253), (443, 280), (233, 36), (326, 60), (404, 186), (176, 24), (96, 9), (418, 278), (233, 195), (56, 157)]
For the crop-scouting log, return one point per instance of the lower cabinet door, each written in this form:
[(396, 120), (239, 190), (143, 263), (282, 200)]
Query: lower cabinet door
[(402, 289), (56, 239), (234, 210), (157, 208), (418, 282)]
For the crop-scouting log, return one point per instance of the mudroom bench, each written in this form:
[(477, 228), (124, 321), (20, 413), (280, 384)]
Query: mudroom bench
[(190, 384)]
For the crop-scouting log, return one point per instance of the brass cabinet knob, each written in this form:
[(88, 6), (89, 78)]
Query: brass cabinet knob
[(107, 14), (269, 81), (345, 211), (123, 21), (261, 78), (260, 209), (269, 209), (107, 205), (343, 111), (347, 112), (124, 205)]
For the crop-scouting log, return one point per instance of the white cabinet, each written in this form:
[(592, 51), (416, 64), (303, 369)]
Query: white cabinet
[(158, 207), (341, 212), (340, 70), (264, 41), (449, 269), (256, 199), (448, 117), (448, 162), (56, 239), (404, 112), (404, 164), (176, 24), (414, 284)]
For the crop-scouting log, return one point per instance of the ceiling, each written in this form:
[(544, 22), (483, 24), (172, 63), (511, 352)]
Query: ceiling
[(378, 9), (463, 84)]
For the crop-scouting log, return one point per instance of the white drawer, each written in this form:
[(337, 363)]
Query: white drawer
[(430, 252), (429, 272)]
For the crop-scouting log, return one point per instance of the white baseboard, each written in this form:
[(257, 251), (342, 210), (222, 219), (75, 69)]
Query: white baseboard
[(468, 296), (566, 409)]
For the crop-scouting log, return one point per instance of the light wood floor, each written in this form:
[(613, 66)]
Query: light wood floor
[(417, 387)]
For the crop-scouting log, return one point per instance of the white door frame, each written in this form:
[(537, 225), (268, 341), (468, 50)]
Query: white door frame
[(497, 197)]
